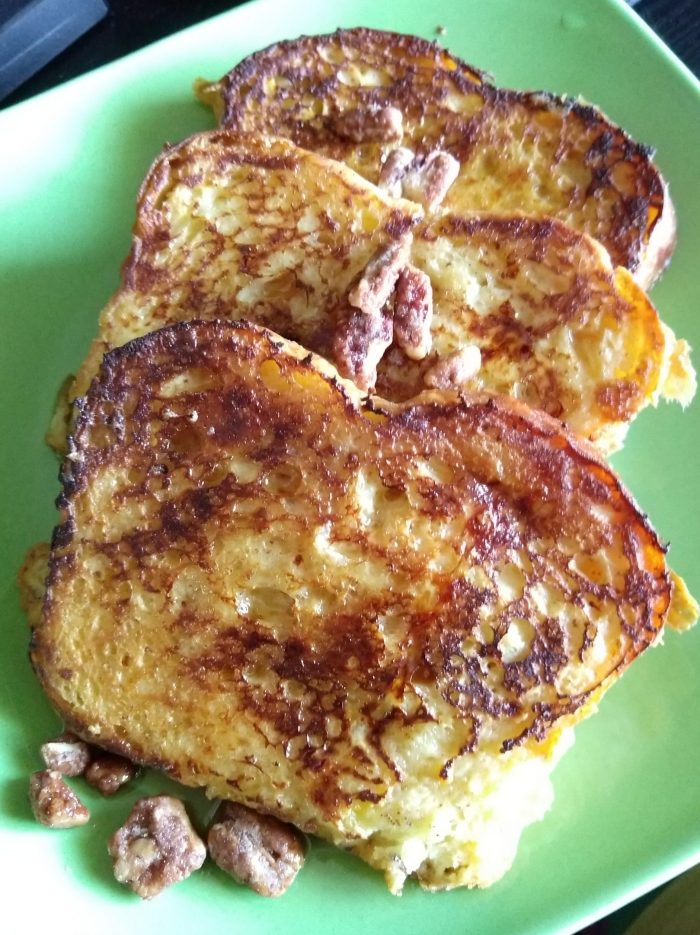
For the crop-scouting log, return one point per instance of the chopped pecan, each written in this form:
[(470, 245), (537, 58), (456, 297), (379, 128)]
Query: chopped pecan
[(108, 773), (454, 369), (393, 170), (257, 850), (156, 846), (369, 124), (67, 754), (430, 182), (359, 343), (53, 801), (378, 279), (413, 312)]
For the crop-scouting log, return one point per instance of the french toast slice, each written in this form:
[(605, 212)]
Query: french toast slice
[(377, 621), (358, 94), (555, 324), (254, 228), (260, 229)]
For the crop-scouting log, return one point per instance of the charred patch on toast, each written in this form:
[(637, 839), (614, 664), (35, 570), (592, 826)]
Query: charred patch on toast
[(532, 151), (286, 584)]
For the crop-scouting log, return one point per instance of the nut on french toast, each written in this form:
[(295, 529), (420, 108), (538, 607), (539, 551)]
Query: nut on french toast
[(359, 95), (375, 620), (260, 229), (247, 228), (557, 326)]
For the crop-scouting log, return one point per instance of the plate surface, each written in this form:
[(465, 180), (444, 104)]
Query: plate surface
[(627, 809)]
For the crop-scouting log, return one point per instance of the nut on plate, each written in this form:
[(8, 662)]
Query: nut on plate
[(156, 846), (108, 773), (54, 803), (258, 850), (67, 754)]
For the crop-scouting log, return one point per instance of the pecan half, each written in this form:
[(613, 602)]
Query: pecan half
[(368, 124), (108, 773), (413, 312), (394, 168), (358, 345), (156, 846), (375, 285), (54, 803), (67, 754), (430, 182), (256, 850), (453, 370)]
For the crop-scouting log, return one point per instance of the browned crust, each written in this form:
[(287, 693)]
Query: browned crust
[(189, 295), (617, 401), (660, 244), (638, 229), (161, 286), (532, 478)]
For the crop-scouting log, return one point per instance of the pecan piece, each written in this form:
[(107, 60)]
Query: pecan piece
[(430, 182), (369, 124), (413, 312), (256, 850), (453, 370), (53, 801), (394, 168), (358, 345), (67, 754), (108, 773), (378, 278), (156, 846)]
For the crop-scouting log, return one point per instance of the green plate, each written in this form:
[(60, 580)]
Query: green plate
[(627, 809)]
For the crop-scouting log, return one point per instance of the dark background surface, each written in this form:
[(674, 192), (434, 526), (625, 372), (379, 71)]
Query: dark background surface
[(131, 24)]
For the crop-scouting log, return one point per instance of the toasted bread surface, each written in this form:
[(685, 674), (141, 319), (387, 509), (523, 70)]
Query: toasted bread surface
[(260, 229), (533, 152), (556, 325), (375, 620), (253, 228)]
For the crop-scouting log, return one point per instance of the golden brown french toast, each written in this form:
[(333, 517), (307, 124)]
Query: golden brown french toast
[(260, 229), (377, 621), (247, 228), (359, 95), (555, 324)]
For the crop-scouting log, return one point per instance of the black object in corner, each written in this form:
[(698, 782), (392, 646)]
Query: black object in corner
[(678, 24), (33, 32)]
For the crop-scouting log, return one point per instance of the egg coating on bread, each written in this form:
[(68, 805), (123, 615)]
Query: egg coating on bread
[(255, 228), (532, 153), (377, 621)]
